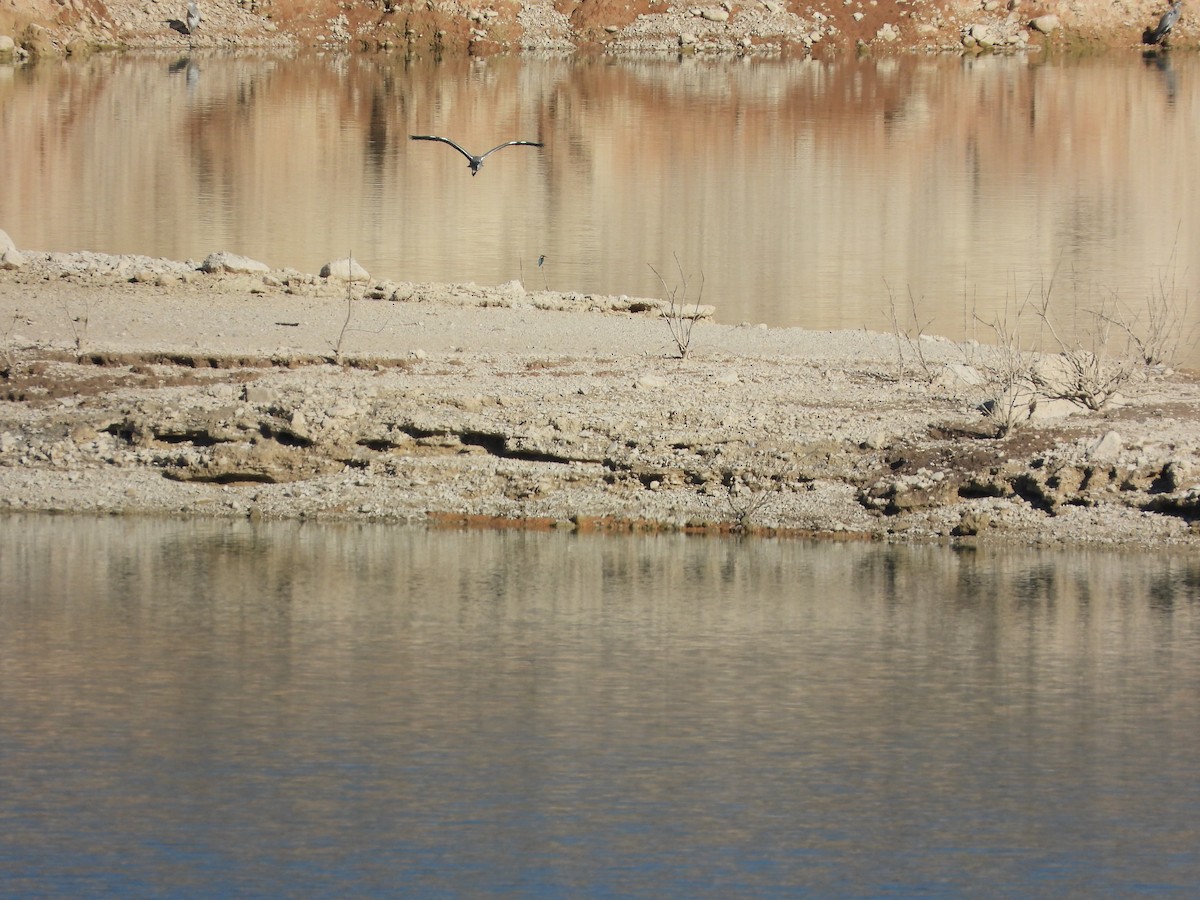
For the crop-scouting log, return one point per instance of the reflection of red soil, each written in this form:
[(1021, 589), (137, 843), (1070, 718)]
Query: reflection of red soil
[(498, 26)]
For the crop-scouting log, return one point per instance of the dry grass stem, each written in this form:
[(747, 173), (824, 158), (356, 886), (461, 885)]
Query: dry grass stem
[(680, 315)]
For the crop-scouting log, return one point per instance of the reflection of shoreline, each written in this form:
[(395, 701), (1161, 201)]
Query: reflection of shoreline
[(804, 191), (453, 712)]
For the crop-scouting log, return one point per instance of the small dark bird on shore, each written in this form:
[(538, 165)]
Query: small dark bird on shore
[(1159, 34), (473, 161)]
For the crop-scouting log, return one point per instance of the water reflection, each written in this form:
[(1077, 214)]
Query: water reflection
[(292, 710), (809, 193)]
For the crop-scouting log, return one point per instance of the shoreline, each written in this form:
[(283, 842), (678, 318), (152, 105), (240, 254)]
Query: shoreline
[(136, 386), (637, 28)]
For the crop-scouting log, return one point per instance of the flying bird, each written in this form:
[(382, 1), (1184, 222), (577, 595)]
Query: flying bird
[(474, 161), (1165, 24)]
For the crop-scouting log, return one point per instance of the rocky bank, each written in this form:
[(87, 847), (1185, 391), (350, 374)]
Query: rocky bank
[(56, 28), (131, 385)]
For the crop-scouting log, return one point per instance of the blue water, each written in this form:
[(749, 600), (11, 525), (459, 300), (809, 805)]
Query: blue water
[(235, 709)]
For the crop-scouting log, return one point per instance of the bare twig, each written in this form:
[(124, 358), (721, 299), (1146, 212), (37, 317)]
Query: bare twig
[(8, 359), (1008, 373), (913, 340), (748, 495), (78, 324), (1159, 338), (680, 321), (1089, 376), (337, 350)]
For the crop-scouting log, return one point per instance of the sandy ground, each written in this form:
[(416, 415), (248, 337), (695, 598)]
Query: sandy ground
[(144, 386)]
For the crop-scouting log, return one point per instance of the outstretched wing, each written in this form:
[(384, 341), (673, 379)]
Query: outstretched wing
[(513, 144), (434, 137)]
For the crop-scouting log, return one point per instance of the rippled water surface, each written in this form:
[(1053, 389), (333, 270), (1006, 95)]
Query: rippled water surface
[(950, 191), (225, 709)]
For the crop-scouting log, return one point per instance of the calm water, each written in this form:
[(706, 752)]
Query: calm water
[(224, 709), (797, 192)]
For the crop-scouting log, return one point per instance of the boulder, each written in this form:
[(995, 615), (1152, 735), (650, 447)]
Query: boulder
[(1045, 24), (1107, 448), (346, 269), (224, 262), (39, 42)]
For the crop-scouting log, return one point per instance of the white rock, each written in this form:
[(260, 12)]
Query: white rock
[(1045, 24), (225, 262), (1107, 448), (982, 34), (11, 259), (1049, 410), (346, 269), (6, 243), (715, 15), (343, 409), (964, 374)]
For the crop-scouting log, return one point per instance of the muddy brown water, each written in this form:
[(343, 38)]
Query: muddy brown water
[(947, 194)]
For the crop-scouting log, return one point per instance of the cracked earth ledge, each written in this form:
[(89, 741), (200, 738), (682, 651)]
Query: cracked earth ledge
[(139, 386)]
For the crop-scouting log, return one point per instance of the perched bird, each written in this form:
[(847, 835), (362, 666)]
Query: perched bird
[(193, 17), (473, 161), (1165, 24)]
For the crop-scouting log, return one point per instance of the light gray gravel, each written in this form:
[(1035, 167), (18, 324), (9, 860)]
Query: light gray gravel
[(144, 386)]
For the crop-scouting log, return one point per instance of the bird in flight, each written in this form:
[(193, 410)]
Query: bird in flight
[(474, 161)]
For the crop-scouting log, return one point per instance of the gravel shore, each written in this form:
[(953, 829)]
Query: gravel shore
[(153, 387), (36, 29)]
